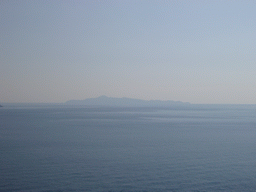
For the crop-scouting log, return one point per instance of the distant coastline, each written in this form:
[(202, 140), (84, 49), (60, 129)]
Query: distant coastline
[(124, 101)]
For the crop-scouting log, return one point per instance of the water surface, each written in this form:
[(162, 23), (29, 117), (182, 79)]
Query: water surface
[(65, 148)]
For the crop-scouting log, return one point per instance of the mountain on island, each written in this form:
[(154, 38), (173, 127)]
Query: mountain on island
[(111, 101)]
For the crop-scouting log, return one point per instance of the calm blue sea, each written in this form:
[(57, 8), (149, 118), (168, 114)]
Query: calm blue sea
[(186, 148)]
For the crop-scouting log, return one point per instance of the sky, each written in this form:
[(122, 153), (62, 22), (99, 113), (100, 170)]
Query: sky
[(192, 51)]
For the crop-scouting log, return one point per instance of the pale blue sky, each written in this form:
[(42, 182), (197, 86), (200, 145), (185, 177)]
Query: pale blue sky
[(192, 51)]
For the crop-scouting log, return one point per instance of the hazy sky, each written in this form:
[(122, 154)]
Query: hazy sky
[(192, 51)]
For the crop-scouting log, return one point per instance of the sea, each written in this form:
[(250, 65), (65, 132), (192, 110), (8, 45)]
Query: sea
[(63, 148)]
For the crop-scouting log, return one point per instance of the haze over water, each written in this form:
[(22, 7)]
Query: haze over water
[(165, 52), (191, 51)]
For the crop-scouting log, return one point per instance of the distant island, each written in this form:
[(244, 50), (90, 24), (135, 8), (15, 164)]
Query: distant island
[(1, 106), (126, 102)]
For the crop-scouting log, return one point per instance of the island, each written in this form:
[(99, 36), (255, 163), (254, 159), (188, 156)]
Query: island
[(124, 102)]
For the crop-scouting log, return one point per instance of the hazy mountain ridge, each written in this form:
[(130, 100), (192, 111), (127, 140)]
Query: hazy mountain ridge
[(111, 101)]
